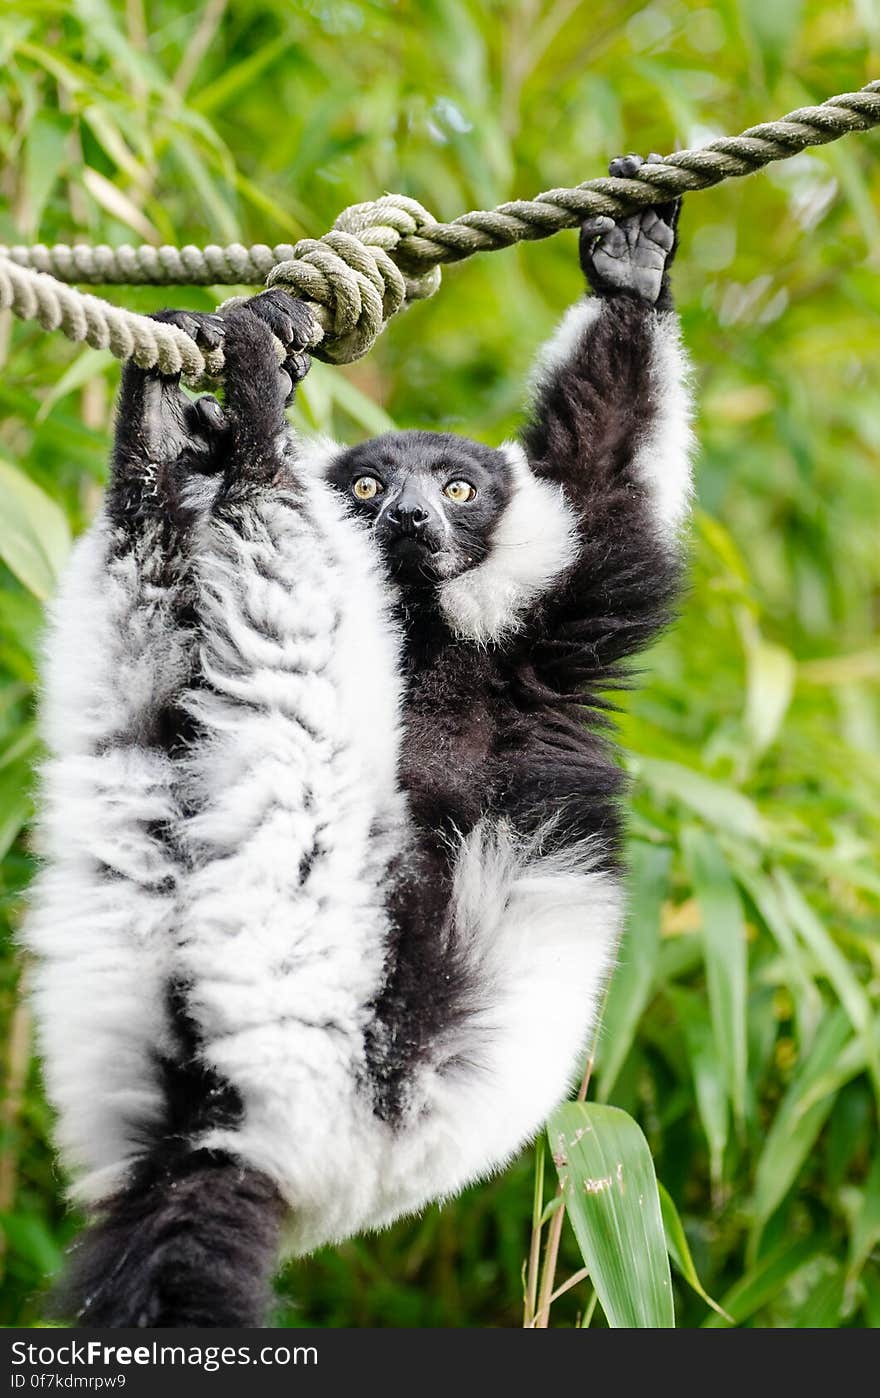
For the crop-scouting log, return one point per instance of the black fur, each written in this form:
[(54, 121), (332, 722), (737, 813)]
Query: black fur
[(191, 1242)]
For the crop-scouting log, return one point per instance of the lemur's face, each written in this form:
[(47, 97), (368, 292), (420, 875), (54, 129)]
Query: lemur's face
[(433, 499)]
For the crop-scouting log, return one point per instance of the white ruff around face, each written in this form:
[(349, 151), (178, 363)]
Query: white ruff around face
[(533, 544)]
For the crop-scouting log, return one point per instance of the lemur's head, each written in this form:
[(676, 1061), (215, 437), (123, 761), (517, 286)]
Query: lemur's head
[(434, 500)]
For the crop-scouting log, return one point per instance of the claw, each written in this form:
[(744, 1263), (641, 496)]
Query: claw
[(207, 414), (288, 319), (210, 332)]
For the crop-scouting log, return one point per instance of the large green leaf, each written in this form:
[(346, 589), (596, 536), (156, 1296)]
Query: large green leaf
[(834, 964), (633, 977), (34, 533), (797, 1122), (719, 805), (765, 1280), (708, 1073), (679, 1250), (724, 945), (610, 1191)]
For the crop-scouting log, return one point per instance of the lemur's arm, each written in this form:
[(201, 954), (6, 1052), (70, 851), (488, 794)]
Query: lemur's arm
[(610, 424)]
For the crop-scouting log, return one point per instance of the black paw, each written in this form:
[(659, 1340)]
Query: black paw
[(624, 167), (631, 254), (206, 424), (291, 322), (205, 327)]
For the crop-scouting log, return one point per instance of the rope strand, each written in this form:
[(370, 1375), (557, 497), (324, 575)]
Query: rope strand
[(379, 256)]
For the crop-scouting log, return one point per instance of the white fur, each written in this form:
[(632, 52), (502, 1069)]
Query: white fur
[(100, 909), (663, 454), (301, 719), (534, 542), (300, 761), (540, 932), (577, 322), (315, 455), (663, 457)]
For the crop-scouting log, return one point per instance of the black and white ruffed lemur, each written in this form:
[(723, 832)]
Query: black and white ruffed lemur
[(331, 818)]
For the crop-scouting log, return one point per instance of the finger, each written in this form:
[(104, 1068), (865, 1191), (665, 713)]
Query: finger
[(207, 415), (595, 227), (656, 227), (624, 166), (209, 333), (662, 235), (298, 364), (615, 242)]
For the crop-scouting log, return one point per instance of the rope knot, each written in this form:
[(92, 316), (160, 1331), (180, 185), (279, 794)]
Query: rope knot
[(353, 276)]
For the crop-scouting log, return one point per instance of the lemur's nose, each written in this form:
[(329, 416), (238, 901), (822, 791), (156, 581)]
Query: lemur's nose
[(407, 516)]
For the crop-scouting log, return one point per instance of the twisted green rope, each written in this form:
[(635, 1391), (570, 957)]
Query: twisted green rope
[(379, 256)]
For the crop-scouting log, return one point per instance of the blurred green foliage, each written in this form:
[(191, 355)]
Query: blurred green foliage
[(742, 1028)]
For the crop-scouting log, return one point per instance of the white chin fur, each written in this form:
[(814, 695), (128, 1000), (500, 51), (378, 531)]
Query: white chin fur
[(534, 543)]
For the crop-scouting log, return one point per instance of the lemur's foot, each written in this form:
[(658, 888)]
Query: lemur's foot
[(205, 327), (630, 254), (292, 322), (173, 426)]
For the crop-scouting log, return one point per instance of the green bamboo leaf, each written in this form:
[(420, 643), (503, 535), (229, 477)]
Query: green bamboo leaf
[(118, 205), (32, 1241), (865, 1234), (633, 979), (765, 896), (240, 75), (770, 685), (34, 533), (797, 1122), (16, 803), (366, 413), (765, 1280), (46, 149), (679, 1251), (724, 947), (88, 364), (824, 1306), (852, 995), (110, 138), (870, 1290), (709, 1083), (718, 805), (610, 1190)]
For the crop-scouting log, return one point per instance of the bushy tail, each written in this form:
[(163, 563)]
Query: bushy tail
[(193, 1243)]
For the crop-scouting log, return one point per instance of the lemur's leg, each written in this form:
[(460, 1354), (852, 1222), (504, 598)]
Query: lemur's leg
[(610, 423), (118, 651), (163, 439)]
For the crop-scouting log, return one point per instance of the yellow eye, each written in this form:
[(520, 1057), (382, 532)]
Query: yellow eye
[(459, 491), (365, 487)]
